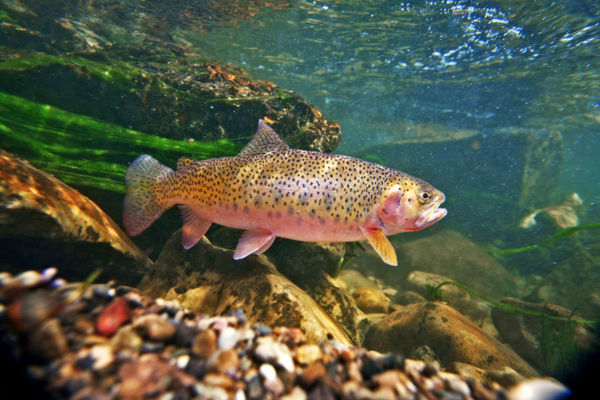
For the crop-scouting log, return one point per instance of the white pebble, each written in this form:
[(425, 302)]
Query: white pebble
[(267, 371), (270, 351), (228, 338), (182, 361), (239, 395), (538, 389)]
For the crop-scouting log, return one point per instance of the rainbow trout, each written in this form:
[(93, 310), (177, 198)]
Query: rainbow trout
[(271, 190)]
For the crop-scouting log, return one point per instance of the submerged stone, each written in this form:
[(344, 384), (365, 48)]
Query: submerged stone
[(44, 223), (445, 331), (205, 279)]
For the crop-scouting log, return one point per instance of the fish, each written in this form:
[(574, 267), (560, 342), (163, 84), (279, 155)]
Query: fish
[(271, 190)]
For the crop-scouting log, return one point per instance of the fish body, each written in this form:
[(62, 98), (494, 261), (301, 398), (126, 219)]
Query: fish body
[(270, 190)]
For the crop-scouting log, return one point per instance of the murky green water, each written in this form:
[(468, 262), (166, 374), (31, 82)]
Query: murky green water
[(495, 103)]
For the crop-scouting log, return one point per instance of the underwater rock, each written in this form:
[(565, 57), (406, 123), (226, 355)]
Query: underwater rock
[(352, 279), (554, 347), (339, 304), (506, 376), (419, 280), (371, 301), (302, 262), (409, 297), (448, 333), (205, 279), (565, 215), (146, 94), (44, 223), (450, 254)]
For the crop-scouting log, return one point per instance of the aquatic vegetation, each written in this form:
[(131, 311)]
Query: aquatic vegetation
[(560, 235), (559, 348), (436, 294), (81, 150)]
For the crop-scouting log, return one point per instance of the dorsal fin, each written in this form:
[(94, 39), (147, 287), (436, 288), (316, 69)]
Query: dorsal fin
[(184, 162), (265, 140)]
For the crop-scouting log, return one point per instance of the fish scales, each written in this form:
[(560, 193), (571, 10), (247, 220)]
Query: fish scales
[(270, 190)]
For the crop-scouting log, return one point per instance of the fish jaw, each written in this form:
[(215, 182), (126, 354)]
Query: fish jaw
[(433, 215)]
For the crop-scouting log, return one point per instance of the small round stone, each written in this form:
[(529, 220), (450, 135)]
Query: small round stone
[(154, 327), (308, 353), (205, 344)]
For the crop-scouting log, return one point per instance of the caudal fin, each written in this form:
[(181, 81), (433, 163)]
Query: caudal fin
[(141, 207)]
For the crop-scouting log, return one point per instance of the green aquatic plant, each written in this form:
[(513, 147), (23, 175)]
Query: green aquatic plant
[(560, 235), (435, 293), (559, 347), (81, 150)]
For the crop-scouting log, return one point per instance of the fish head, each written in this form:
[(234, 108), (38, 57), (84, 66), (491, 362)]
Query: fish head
[(410, 204)]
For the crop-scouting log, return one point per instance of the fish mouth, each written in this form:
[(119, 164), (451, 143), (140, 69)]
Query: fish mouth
[(432, 215)]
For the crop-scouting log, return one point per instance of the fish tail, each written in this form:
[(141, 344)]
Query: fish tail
[(142, 202)]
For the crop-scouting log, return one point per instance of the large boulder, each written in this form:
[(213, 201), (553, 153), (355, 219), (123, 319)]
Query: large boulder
[(205, 279), (450, 254), (44, 223), (448, 333)]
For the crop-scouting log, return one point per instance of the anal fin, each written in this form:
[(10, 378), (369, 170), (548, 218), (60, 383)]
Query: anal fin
[(194, 226), (381, 244), (256, 241)]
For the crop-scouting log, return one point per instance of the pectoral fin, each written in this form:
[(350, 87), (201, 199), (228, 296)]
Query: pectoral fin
[(253, 242), (381, 244), (194, 226)]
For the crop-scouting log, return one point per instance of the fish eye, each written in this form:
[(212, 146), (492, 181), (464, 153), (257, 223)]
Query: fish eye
[(425, 196)]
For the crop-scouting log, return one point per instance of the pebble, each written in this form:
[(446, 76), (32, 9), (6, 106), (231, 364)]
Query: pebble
[(228, 338), (308, 353), (163, 352), (113, 316), (49, 341), (271, 351), (127, 338), (154, 327), (225, 361), (100, 355), (371, 301), (270, 379), (205, 344)]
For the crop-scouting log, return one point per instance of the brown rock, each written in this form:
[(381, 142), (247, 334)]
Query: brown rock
[(219, 380), (65, 225), (126, 338), (450, 254), (311, 374), (205, 344), (224, 362), (506, 376), (419, 280), (409, 297), (154, 327), (206, 280), (143, 377), (448, 333), (352, 279), (339, 304), (308, 353), (48, 340), (371, 301)]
